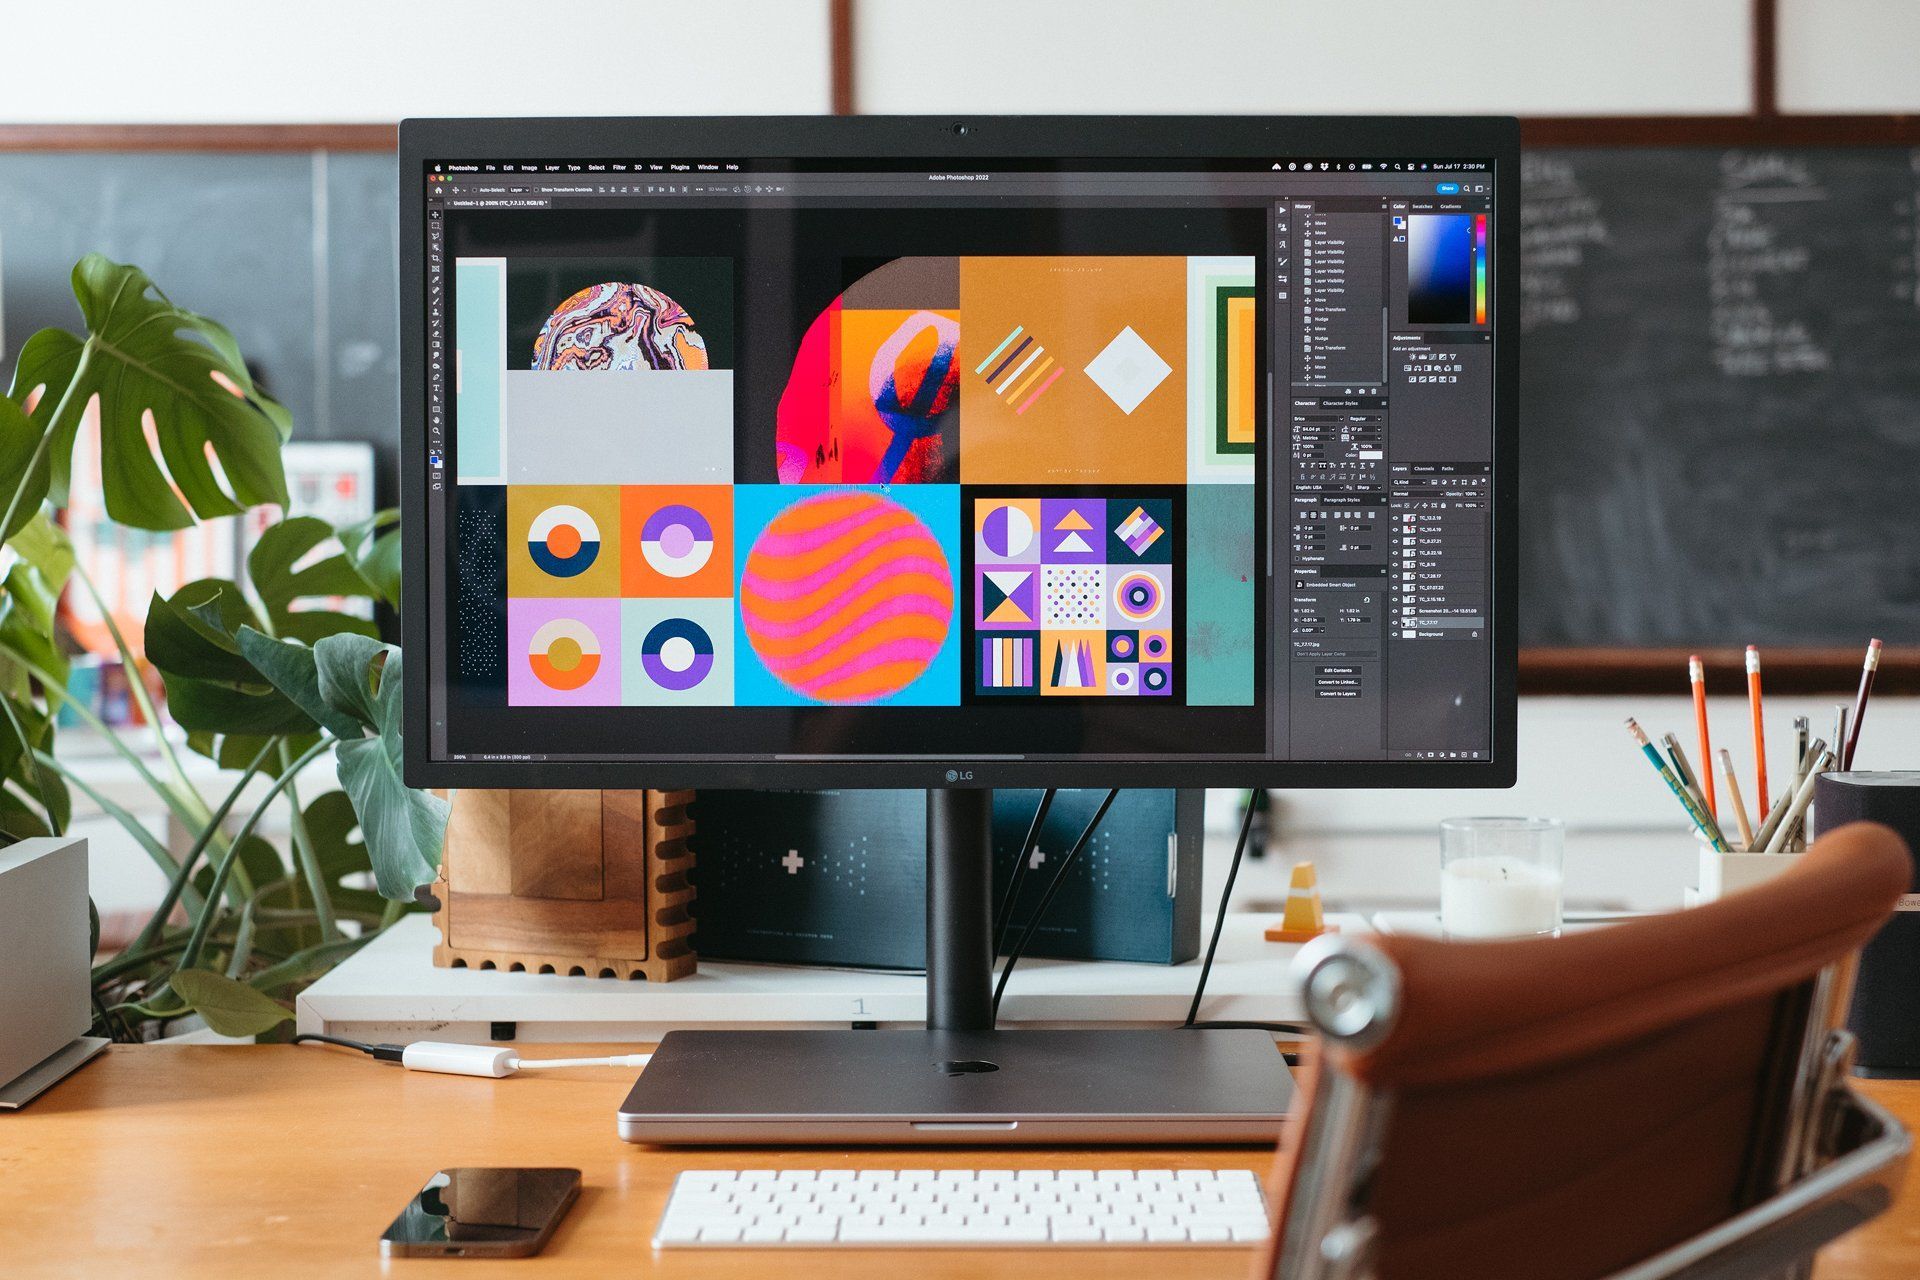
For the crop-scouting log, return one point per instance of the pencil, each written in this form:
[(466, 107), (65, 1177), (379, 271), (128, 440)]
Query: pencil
[(1867, 668), (1759, 727), (1801, 799), (1700, 817), (1733, 794), (1684, 767), (1697, 675)]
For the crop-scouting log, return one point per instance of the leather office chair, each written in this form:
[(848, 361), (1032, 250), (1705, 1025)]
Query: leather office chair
[(1665, 1097)]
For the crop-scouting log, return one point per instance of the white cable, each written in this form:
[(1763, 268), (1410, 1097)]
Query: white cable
[(549, 1064)]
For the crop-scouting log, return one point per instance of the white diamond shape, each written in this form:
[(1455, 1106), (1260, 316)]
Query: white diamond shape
[(1128, 370)]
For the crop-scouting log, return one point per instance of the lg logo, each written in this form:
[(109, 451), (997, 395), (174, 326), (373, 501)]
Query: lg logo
[(959, 775)]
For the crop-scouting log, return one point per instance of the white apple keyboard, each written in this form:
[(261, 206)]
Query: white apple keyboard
[(962, 1209)]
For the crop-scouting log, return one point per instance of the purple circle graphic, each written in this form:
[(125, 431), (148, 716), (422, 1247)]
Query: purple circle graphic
[(657, 652)]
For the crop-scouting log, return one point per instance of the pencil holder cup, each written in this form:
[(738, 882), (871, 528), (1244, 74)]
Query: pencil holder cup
[(1725, 873)]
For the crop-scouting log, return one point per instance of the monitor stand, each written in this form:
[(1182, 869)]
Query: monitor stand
[(959, 1080)]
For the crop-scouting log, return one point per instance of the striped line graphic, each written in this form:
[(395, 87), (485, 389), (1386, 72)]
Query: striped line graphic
[(1040, 391), (995, 353)]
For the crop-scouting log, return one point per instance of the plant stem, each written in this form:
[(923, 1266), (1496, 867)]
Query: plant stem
[(175, 804), (305, 855), (46, 437), (225, 868), (129, 960), (137, 687), (132, 825), (242, 942), (180, 877)]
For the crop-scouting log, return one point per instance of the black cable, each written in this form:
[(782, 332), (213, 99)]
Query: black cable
[(1220, 917), (1003, 918), (1046, 900), (380, 1052)]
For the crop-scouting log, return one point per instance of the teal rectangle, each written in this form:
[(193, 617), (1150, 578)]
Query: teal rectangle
[(480, 347), (1220, 595)]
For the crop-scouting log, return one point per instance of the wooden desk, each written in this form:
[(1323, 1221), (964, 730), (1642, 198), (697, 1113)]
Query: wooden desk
[(285, 1162)]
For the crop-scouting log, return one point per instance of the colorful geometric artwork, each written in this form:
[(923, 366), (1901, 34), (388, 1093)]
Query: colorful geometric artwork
[(1073, 530), (679, 652), (1222, 329), (1075, 370), (1128, 370), (1073, 595), (1019, 376), (1102, 571), (1138, 530), (564, 540), (1006, 664), (1138, 597), (1074, 663), (615, 326), (847, 595), (1006, 596), (564, 653), (679, 540), (873, 396), (1006, 530)]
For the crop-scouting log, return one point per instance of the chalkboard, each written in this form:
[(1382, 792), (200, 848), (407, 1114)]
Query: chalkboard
[(295, 252), (1720, 397)]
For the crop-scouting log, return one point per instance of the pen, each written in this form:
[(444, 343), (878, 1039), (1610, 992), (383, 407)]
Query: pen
[(1867, 668), (1801, 799), (1733, 794), (1759, 727), (1684, 767), (1700, 817), (1777, 816), (1697, 676), (1801, 728)]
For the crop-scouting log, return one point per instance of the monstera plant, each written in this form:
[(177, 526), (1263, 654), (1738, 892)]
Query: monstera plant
[(264, 677)]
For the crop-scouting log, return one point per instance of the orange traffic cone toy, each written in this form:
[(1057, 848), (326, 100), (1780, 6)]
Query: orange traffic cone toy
[(1304, 920)]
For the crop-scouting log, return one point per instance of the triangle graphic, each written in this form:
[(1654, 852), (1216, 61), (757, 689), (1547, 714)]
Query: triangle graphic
[(1008, 580), (1008, 611), (1073, 542), (997, 596), (1072, 520)]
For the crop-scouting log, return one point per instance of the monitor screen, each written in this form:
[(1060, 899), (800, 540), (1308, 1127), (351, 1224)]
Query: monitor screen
[(755, 458)]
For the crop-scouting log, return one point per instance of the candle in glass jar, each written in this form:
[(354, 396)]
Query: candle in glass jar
[(1498, 896)]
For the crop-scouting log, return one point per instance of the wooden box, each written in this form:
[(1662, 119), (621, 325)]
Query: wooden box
[(592, 883)]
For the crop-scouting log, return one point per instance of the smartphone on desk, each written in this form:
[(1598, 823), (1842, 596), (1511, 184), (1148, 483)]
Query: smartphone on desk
[(482, 1213)]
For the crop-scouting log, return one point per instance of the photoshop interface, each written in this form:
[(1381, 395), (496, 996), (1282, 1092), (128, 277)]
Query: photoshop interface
[(993, 445)]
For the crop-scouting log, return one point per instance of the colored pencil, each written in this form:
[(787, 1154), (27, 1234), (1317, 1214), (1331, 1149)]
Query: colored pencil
[(1759, 727), (1867, 668), (1733, 794), (1701, 818), (1801, 799), (1697, 675)]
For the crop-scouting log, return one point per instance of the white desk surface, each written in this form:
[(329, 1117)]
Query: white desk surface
[(392, 989)]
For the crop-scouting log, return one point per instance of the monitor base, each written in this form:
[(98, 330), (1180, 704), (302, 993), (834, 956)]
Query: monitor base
[(960, 1087)]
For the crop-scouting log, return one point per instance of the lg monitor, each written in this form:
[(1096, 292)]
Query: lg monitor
[(899, 452)]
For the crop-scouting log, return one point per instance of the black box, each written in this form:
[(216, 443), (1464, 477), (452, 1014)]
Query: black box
[(840, 877)]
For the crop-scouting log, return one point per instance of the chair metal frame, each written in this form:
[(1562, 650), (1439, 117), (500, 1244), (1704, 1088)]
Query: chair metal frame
[(1841, 1161)]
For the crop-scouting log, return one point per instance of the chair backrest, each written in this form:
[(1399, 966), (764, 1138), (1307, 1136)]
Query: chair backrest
[(1561, 1108)]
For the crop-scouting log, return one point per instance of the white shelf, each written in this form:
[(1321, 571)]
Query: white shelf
[(392, 990)]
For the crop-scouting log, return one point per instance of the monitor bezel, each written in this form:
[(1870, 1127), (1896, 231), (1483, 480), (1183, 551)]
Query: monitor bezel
[(1202, 138)]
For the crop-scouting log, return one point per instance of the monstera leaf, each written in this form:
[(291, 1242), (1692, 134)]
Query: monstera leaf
[(24, 470), (374, 547), (284, 572), (149, 361), (211, 687)]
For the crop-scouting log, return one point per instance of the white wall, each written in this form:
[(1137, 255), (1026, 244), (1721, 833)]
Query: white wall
[(1849, 55), (1544, 57), (267, 61)]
